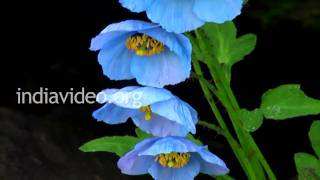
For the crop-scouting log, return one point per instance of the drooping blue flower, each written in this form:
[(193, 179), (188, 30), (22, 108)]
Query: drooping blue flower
[(136, 49), (171, 158), (185, 15), (153, 110)]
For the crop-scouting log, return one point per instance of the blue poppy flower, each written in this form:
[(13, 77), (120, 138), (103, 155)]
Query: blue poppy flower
[(136, 49), (153, 110), (185, 15), (171, 158)]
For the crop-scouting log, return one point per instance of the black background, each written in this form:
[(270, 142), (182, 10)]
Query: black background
[(45, 44)]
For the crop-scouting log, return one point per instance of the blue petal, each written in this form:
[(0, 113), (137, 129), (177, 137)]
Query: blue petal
[(159, 126), (113, 114), (171, 144), (178, 111), (115, 60), (174, 15), (188, 172), (133, 164), (104, 96), (177, 43), (193, 112), (129, 26), (211, 164), (136, 5), (99, 41), (118, 30), (136, 97), (159, 70), (217, 11), (146, 143)]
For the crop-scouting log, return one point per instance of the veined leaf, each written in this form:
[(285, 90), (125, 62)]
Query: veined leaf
[(244, 45), (115, 144), (288, 101), (251, 120), (314, 136), (222, 37), (226, 47), (141, 134), (224, 177), (308, 166)]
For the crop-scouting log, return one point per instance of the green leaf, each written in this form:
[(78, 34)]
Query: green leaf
[(242, 47), (288, 101), (308, 166), (141, 134), (224, 177), (116, 144), (226, 47), (251, 120), (314, 136), (222, 37), (193, 139)]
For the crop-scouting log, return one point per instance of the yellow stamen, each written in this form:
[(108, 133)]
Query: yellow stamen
[(148, 112), (171, 164), (144, 45), (173, 160)]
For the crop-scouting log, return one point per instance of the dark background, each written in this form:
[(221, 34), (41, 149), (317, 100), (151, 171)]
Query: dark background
[(45, 44)]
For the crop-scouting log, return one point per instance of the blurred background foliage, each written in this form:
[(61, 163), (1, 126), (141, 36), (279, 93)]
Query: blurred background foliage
[(269, 12)]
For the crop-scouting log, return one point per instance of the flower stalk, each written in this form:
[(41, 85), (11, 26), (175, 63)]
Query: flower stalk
[(227, 98)]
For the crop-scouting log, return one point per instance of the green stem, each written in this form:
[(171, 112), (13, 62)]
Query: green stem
[(250, 139), (230, 103), (240, 154), (212, 127)]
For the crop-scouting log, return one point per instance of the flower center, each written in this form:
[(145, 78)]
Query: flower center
[(144, 45), (148, 112), (173, 160)]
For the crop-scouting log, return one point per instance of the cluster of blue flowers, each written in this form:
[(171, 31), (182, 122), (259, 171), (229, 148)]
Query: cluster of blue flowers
[(157, 54)]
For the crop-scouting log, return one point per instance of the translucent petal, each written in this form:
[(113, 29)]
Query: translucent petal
[(177, 43), (129, 25), (115, 60), (136, 5), (187, 172), (159, 70), (171, 144), (211, 164), (133, 164), (159, 126), (217, 11), (178, 111), (135, 97), (118, 30), (113, 114), (174, 15)]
